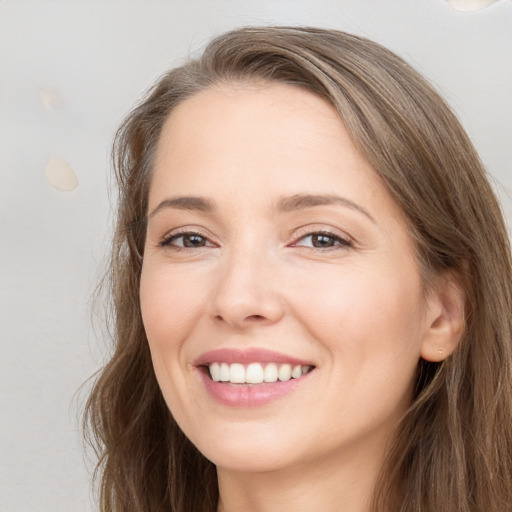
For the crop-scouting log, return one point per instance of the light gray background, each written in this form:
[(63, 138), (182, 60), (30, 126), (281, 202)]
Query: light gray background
[(97, 57)]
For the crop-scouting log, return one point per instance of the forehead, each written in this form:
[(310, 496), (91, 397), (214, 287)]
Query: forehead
[(267, 113), (263, 131)]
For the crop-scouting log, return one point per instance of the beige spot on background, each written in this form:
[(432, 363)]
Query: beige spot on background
[(469, 5), (49, 97), (60, 175)]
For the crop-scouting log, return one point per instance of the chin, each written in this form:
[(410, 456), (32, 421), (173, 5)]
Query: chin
[(252, 461), (248, 451)]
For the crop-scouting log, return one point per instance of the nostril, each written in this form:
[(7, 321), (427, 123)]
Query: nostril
[(244, 321)]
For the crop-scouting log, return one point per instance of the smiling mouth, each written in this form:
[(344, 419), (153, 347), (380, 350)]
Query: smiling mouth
[(255, 373)]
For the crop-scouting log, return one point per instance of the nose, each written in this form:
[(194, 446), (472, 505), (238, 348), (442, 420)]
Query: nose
[(247, 291)]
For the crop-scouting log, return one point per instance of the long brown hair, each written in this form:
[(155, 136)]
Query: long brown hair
[(453, 450)]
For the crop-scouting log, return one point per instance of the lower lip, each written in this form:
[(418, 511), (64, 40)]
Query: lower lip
[(238, 395)]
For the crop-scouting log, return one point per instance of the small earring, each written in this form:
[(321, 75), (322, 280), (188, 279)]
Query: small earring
[(440, 351)]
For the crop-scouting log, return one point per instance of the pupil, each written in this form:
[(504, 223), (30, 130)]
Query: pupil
[(322, 241), (193, 241)]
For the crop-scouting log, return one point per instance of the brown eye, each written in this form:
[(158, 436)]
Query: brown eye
[(185, 240), (193, 240), (323, 241)]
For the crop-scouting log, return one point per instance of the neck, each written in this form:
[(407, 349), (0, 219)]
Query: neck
[(328, 486)]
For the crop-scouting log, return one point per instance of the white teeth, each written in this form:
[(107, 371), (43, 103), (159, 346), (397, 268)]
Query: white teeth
[(285, 372), (215, 371), (224, 372), (297, 371), (237, 373), (256, 373), (270, 374)]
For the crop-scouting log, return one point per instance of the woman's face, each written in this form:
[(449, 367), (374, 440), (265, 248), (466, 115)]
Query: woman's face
[(273, 249)]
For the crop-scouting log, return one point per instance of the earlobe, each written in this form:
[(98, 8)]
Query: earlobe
[(445, 318)]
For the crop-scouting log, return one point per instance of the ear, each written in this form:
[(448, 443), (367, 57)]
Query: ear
[(445, 317)]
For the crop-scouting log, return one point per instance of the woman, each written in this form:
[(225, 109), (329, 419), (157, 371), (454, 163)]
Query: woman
[(312, 287)]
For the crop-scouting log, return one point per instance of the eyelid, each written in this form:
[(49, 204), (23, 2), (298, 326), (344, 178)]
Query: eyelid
[(314, 229), (165, 241), (340, 243)]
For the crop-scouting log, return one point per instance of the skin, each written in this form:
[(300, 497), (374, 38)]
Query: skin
[(357, 310)]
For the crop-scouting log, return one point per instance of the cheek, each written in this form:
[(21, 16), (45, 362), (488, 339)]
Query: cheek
[(170, 306), (168, 299), (369, 327), (364, 319)]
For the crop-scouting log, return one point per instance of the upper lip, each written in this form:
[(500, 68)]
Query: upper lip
[(247, 356)]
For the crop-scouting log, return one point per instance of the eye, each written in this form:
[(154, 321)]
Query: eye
[(323, 240), (188, 240)]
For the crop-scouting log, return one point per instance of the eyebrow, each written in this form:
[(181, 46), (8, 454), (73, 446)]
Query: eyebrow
[(303, 201), (283, 205), (185, 203)]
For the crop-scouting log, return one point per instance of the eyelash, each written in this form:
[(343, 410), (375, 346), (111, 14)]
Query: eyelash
[(339, 241), (166, 242)]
